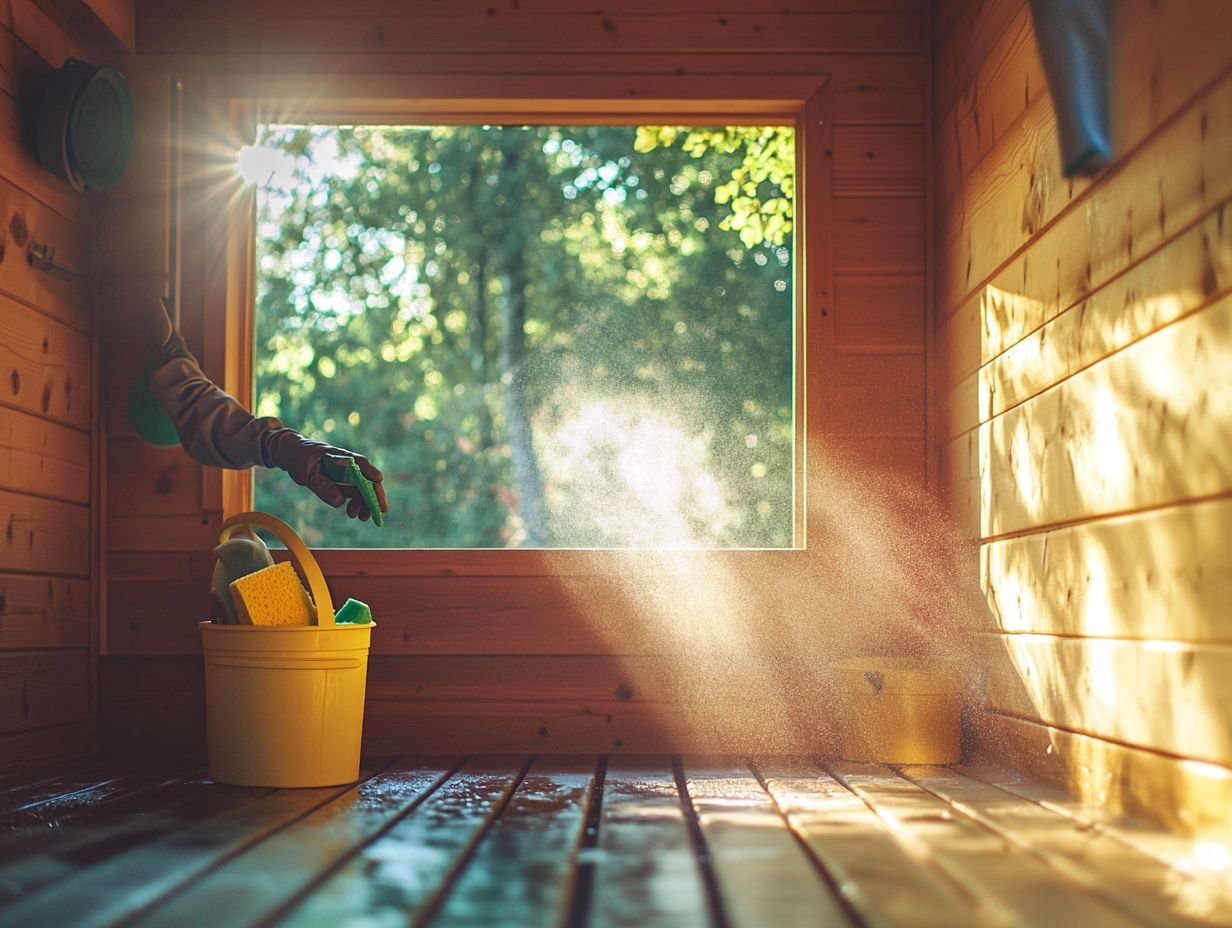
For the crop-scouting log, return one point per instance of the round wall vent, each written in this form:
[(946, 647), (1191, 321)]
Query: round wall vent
[(84, 127)]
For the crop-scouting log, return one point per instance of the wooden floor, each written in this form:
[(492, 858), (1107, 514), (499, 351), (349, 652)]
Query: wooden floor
[(508, 841)]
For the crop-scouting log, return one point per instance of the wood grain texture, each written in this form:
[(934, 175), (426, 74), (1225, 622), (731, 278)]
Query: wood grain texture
[(879, 395), (1147, 427), (295, 856), (148, 480), (1201, 886), (1081, 432), (593, 31), (44, 536), (109, 23), (879, 234), (965, 34), (39, 689), (750, 608), (1158, 286), (48, 401), (878, 160), (1178, 705), (764, 875), (1006, 889), (1176, 176), (878, 311), (1017, 189), (1009, 80), (1185, 795), (524, 870), (859, 850), (46, 748), (167, 855), (562, 704), (1161, 575), (648, 873), (43, 458), (25, 220), (451, 841), (479, 678), (1143, 888), (470, 9), (431, 845), (34, 44), (45, 366), (43, 612), (1186, 274), (596, 727)]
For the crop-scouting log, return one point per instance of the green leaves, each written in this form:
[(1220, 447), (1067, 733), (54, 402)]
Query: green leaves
[(650, 271), (759, 192)]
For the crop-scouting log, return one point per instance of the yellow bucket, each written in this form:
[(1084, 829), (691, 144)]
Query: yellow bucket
[(899, 711), (284, 705)]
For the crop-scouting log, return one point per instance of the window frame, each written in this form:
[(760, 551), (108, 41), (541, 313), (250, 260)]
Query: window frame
[(235, 104)]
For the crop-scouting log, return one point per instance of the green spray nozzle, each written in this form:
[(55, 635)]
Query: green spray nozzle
[(341, 469)]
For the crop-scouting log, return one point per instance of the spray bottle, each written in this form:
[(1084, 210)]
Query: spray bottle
[(241, 554)]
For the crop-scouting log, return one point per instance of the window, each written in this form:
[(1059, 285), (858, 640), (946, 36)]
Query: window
[(546, 335)]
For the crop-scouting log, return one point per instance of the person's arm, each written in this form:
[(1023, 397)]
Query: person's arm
[(216, 430)]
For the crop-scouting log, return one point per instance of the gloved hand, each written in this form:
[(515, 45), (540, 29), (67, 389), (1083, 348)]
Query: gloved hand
[(302, 457)]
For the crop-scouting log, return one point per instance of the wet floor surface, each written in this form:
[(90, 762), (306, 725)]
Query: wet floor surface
[(636, 841)]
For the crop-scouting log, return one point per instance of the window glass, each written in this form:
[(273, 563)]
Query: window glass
[(545, 336)]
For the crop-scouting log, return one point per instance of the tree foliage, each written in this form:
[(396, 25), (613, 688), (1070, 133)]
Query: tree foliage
[(761, 186), (542, 335)]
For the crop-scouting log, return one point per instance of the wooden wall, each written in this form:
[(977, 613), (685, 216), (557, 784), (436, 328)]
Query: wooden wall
[(539, 652), (1084, 338), (49, 435)]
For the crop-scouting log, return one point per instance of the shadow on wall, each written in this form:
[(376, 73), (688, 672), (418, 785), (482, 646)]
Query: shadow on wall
[(1096, 420)]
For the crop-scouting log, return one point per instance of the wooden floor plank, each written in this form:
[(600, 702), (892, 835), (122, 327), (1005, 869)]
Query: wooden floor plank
[(1014, 889), (40, 860), (291, 859), (1201, 868), (764, 876), (646, 870), (400, 875), (884, 880), (22, 793), (522, 872), (581, 841), (63, 803), (1140, 886), (121, 885)]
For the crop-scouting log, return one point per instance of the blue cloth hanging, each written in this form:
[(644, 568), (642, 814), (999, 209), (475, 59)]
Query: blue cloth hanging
[(1074, 38)]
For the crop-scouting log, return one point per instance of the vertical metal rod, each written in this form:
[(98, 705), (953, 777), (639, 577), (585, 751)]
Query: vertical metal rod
[(175, 197)]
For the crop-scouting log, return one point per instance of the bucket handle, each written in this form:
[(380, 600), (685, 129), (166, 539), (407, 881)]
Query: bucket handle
[(299, 552)]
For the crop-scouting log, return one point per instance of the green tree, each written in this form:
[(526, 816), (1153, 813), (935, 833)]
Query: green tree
[(511, 321)]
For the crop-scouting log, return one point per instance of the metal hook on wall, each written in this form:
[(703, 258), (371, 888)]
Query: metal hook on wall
[(43, 257)]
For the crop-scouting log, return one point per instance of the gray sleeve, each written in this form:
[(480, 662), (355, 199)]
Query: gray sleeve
[(214, 428)]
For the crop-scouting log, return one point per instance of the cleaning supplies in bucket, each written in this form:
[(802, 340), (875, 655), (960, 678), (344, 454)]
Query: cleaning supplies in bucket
[(241, 554), (248, 588), (272, 596), (284, 702)]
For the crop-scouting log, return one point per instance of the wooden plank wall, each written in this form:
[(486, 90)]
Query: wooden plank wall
[(536, 655), (49, 435), (1082, 332)]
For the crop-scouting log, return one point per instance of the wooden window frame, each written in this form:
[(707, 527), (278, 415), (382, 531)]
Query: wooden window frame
[(235, 104)]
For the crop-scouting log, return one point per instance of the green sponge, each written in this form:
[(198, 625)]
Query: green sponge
[(344, 470), (353, 612)]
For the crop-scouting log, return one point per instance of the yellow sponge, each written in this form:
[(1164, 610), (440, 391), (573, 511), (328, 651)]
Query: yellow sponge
[(272, 596)]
